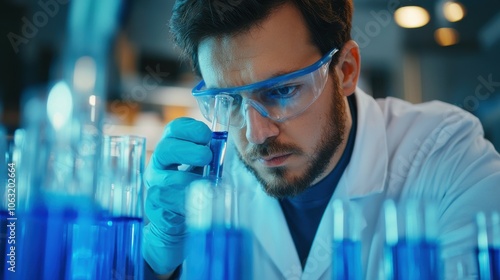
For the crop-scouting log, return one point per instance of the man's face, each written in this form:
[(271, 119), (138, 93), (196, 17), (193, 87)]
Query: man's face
[(286, 157)]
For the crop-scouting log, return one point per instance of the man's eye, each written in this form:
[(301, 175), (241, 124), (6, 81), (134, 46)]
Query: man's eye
[(282, 92)]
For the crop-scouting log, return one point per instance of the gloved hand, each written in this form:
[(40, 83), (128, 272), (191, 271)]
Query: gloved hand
[(184, 142)]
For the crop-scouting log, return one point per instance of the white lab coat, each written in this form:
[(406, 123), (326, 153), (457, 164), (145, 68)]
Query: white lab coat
[(431, 150)]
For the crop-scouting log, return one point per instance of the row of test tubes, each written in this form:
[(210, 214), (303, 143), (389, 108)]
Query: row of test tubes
[(59, 235), (412, 248), (220, 249)]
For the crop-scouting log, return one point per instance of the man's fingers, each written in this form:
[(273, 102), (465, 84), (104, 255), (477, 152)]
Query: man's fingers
[(188, 129), (169, 178), (171, 153)]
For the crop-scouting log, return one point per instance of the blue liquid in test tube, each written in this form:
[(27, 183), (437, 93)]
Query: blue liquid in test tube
[(55, 244), (217, 247), (119, 248), (488, 249), (69, 245), (218, 147), (220, 126), (415, 259), (492, 256), (347, 260), (495, 261), (219, 253), (412, 250)]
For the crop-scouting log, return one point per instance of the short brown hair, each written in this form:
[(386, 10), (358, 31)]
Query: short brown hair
[(329, 21)]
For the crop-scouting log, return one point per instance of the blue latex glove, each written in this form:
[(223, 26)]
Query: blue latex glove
[(184, 142)]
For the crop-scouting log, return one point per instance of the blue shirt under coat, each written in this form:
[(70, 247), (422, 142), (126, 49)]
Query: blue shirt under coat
[(303, 212)]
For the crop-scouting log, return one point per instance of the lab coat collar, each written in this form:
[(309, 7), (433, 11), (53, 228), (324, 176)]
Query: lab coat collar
[(367, 170), (266, 219), (277, 243)]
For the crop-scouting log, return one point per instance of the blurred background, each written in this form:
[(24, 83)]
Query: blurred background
[(444, 50)]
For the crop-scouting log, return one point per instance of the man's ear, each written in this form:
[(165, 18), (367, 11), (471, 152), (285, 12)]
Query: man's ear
[(348, 67)]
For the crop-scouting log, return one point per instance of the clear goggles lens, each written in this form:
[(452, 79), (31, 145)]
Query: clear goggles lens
[(279, 98)]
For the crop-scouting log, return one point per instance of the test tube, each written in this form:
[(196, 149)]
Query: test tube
[(488, 245), (346, 258), (220, 126), (411, 248)]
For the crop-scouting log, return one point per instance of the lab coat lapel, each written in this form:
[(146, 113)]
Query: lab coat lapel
[(271, 231), (363, 177), (263, 215), (367, 170), (320, 255)]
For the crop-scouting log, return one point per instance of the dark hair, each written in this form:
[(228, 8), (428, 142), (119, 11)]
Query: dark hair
[(328, 21)]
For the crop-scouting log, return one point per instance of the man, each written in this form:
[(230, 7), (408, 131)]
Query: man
[(305, 135)]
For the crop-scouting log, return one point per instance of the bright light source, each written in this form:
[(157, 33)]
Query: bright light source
[(411, 17), (453, 11), (92, 102), (85, 74), (446, 36), (59, 105), (92, 99)]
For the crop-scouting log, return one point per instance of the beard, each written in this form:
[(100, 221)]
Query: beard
[(283, 184)]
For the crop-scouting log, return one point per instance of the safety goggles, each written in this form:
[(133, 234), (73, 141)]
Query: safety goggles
[(279, 98)]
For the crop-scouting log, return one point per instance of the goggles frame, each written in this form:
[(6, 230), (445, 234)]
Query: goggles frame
[(199, 91)]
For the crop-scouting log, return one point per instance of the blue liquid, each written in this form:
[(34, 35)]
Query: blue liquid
[(218, 147), (414, 260), (55, 244), (347, 260), (125, 235), (494, 264), (219, 254), (69, 244)]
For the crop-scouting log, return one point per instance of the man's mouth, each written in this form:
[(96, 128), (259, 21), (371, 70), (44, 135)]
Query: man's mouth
[(274, 160)]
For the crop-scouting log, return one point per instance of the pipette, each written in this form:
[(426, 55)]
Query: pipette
[(220, 127)]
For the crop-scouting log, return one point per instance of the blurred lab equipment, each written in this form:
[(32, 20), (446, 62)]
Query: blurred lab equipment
[(346, 257), (57, 227), (217, 246), (412, 249), (488, 245), (120, 197)]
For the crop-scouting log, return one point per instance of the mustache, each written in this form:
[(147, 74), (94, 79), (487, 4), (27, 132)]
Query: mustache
[(270, 147)]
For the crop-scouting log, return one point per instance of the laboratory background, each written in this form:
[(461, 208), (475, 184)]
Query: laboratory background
[(445, 50)]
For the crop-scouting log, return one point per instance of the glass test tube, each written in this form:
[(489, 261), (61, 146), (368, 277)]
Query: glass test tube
[(488, 245), (410, 235), (220, 127), (346, 258), (216, 248)]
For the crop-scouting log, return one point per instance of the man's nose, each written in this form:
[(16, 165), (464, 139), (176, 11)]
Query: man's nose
[(259, 128)]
